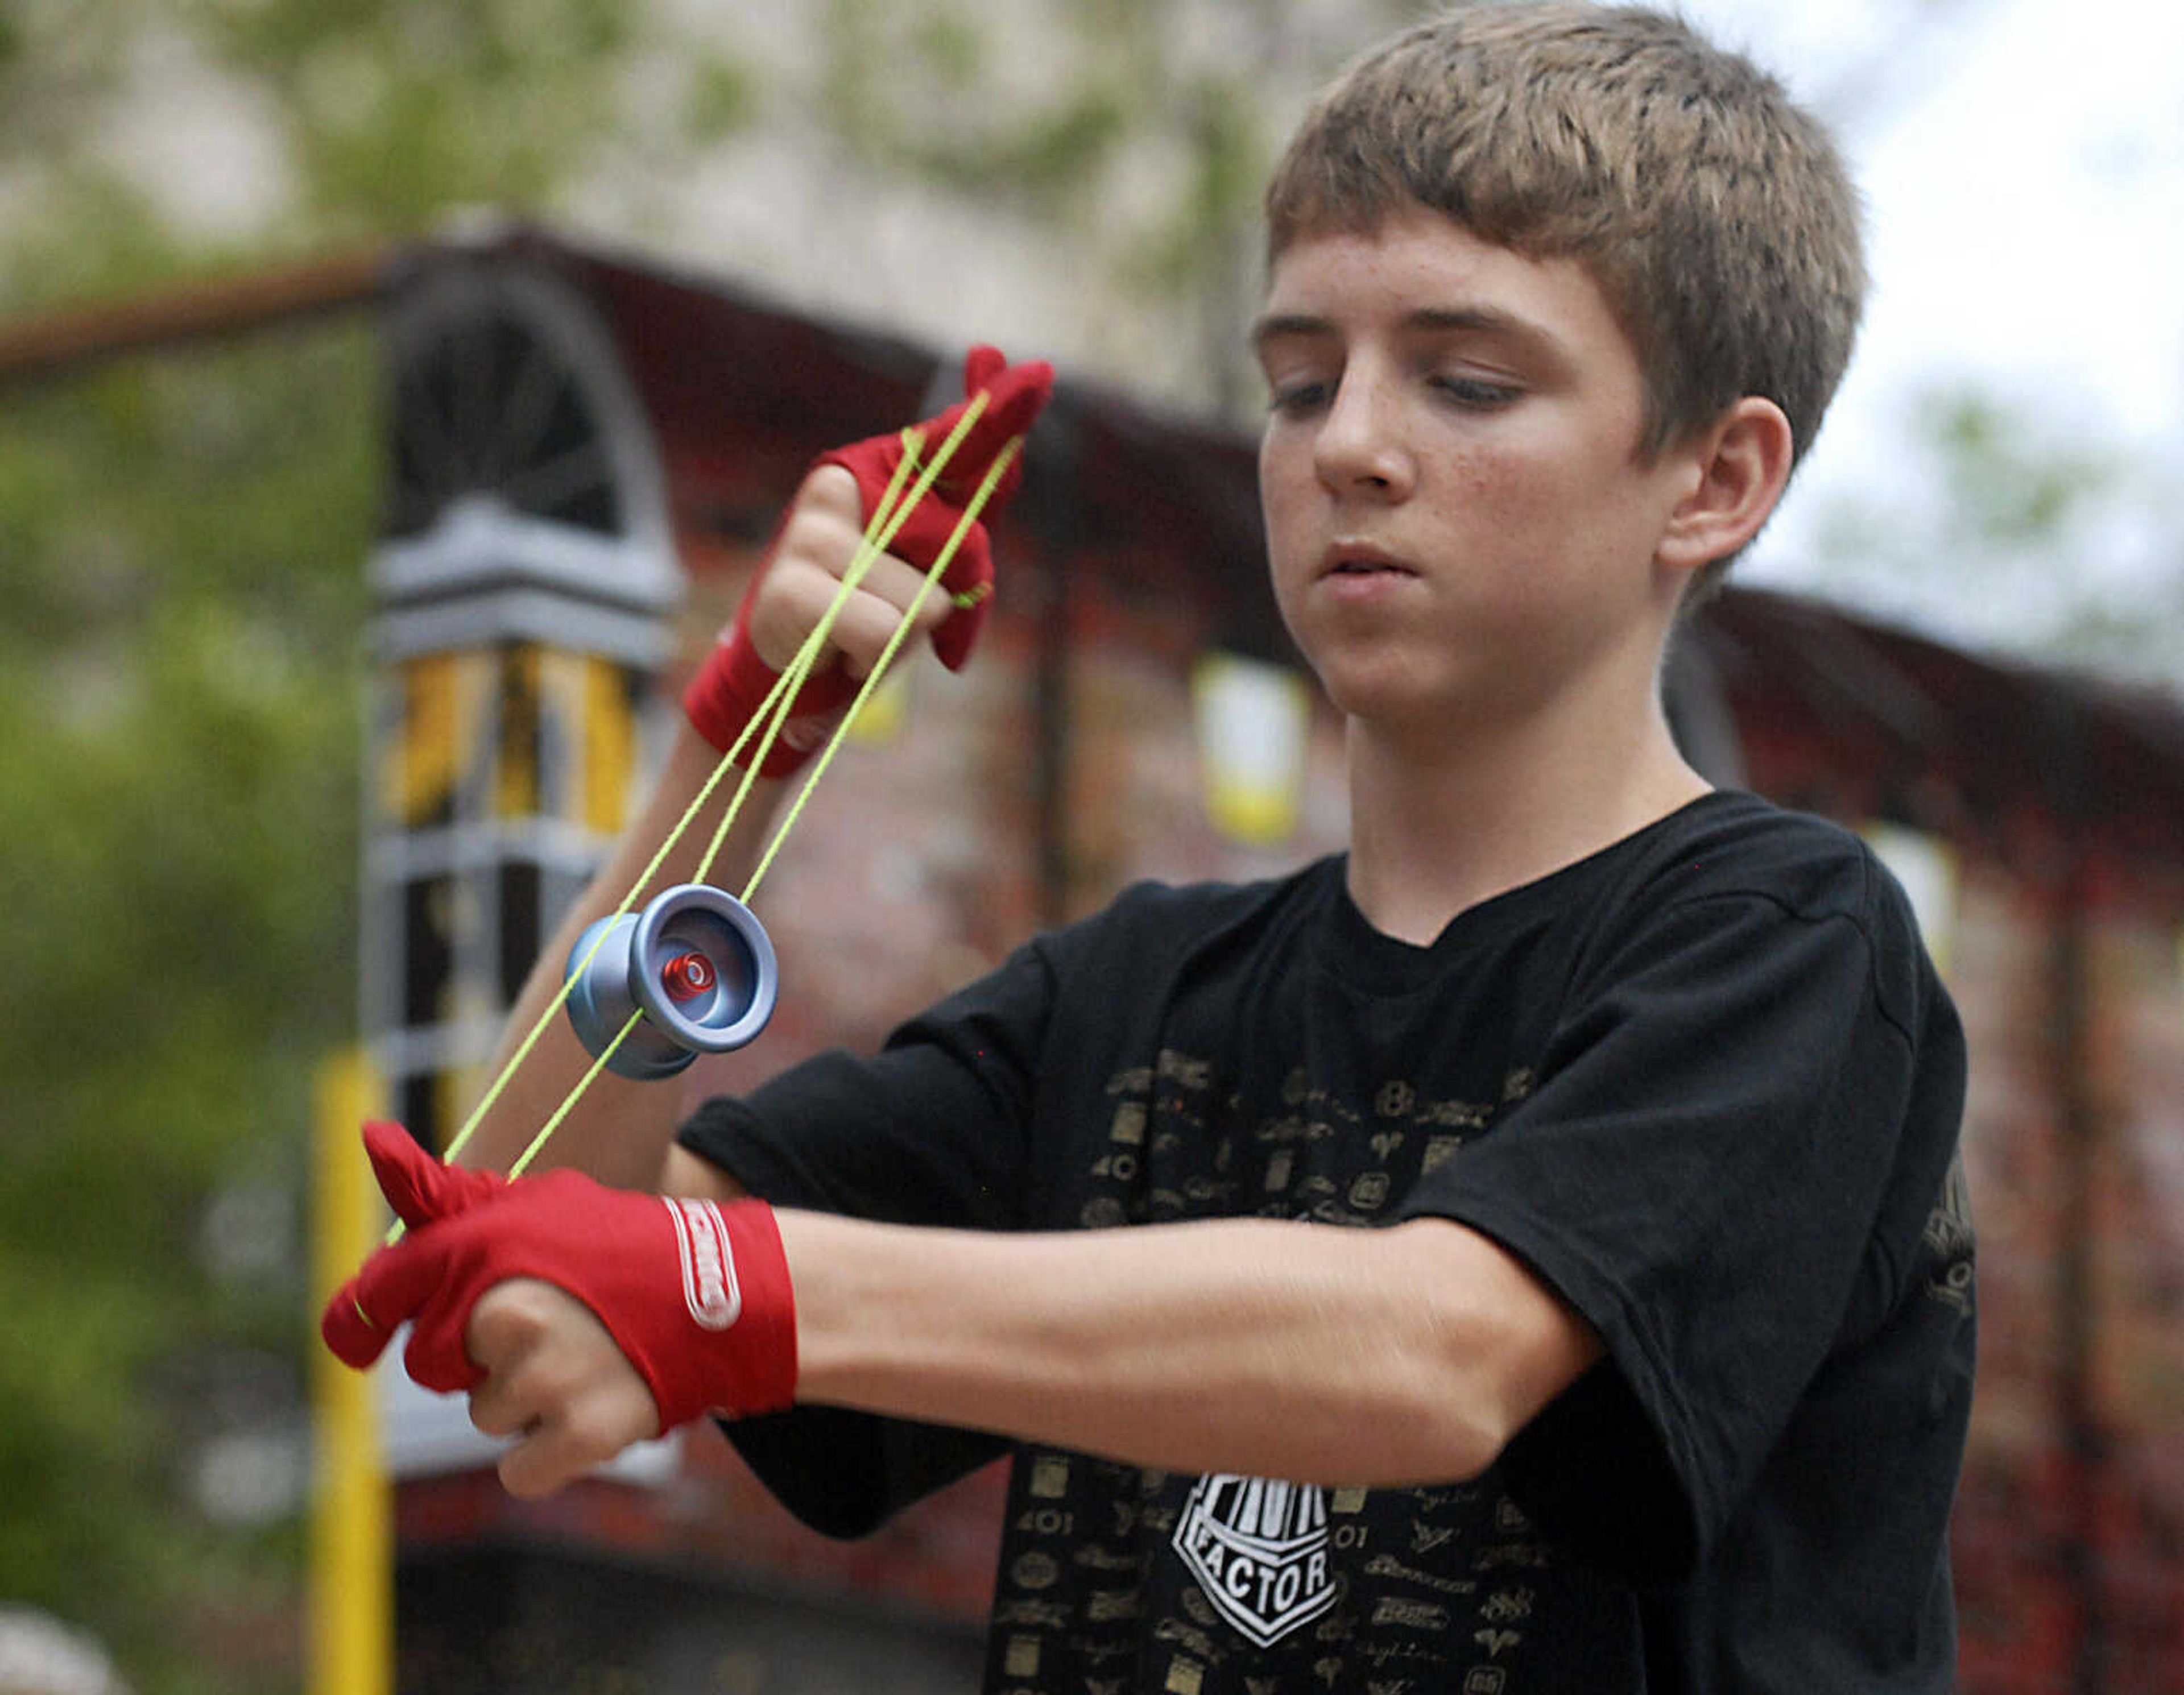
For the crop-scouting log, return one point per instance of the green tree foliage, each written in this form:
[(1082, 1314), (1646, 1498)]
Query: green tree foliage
[(179, 544), (1143, 144), (181, 537), (2035, 537), (393, 110)]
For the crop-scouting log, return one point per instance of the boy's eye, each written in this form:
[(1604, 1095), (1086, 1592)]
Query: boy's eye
[(1293, 399), (1299, 397), (1475, 392)]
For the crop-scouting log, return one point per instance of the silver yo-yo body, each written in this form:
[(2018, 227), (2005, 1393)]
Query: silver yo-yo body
[(695, 962)]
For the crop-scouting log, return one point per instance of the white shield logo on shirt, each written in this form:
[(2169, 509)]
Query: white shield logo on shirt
[(1258, 1548)]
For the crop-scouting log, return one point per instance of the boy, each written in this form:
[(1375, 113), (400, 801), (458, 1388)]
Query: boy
[(1633, 1362)]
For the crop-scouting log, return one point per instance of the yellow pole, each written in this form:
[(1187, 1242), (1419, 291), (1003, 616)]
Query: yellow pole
[(352, 1575)]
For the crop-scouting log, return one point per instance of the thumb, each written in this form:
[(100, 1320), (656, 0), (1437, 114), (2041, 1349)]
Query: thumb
[(349, 1334), (386, 1293), (418, 1185), (412, 1280)]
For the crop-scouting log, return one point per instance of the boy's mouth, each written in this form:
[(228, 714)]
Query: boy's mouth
[(1356, 560)]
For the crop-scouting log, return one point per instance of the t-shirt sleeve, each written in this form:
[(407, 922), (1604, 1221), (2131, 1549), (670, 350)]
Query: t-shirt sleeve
[(930, 1130), (1697, 1170)]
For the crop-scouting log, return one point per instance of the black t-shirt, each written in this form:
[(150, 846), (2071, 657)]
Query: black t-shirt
[(1705, 1083)]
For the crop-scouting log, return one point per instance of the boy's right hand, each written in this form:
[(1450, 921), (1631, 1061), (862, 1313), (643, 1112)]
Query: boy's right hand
[(821, 536)]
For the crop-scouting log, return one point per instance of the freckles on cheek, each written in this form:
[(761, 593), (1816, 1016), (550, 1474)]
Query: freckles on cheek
[(1530, 500), (1499, 502), (1521, 527)]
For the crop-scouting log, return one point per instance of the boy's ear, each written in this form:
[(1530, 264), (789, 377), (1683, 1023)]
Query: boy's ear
[(1742, 466)]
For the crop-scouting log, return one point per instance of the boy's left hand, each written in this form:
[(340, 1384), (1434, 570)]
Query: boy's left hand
[(580, 1317)]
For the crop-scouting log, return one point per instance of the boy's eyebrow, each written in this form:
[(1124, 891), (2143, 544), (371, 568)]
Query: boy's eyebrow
[(1487, 320)]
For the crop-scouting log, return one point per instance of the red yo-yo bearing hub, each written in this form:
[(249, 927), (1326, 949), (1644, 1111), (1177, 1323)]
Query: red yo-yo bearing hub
[(686, 976), (694, 971)]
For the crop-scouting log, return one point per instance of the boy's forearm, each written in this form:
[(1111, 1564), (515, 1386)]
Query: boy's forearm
[(1251, 1346), (820, 574), (620, 1131)]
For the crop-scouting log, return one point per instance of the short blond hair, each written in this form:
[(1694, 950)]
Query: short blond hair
[(1714, 214)]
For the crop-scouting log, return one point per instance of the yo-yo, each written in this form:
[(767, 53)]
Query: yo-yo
[(695, 962)]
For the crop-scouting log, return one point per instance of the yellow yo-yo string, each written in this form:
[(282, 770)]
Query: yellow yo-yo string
[(888, 517)]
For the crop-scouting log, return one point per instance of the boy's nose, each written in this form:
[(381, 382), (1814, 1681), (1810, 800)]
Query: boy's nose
[(1360, 448)]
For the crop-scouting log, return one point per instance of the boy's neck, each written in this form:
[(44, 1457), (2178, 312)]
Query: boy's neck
[(1441, 822)]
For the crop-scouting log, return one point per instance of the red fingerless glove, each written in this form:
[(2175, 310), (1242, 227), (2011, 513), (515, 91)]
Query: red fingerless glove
[(732, 683), (696, 1295)]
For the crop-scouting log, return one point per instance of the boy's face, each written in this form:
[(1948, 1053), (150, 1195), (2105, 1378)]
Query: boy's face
[(1458, 517)]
